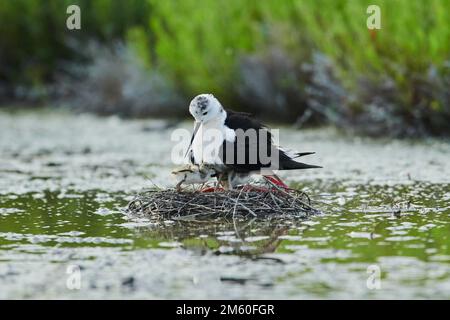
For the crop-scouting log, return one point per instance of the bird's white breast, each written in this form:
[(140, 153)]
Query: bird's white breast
[(208, 141)]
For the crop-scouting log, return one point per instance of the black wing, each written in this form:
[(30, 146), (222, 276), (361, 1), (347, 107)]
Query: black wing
[(244, 155)]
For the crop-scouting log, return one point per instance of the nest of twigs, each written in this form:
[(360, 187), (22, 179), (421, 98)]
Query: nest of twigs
[(250, 202)]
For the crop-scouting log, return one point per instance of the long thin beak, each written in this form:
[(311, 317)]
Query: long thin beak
[(196, 127)]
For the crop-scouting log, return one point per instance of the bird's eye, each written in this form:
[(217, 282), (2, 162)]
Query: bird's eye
[(205, 113)]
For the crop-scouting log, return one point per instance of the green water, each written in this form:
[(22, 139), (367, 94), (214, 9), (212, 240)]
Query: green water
[(65, 180)]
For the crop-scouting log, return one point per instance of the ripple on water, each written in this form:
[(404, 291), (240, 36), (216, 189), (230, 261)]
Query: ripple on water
[(61, 197)]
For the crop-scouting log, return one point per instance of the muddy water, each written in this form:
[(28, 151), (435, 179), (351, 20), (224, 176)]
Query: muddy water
[(64, 180)]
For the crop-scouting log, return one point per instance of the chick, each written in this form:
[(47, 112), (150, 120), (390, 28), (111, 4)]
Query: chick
[(192, 174)]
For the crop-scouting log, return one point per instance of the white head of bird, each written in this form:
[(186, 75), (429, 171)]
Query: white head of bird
[(209, 116), (205, 107)]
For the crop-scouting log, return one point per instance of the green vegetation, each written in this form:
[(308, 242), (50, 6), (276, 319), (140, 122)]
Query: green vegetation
[(297, 60), (34, 39)]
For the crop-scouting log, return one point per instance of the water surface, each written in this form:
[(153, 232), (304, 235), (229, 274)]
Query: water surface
[(65, 179)]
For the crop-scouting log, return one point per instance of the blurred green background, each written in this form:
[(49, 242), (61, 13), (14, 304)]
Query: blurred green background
[(301, 62)]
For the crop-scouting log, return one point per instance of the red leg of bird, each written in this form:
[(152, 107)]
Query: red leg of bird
[(211, 189), (276, 181)]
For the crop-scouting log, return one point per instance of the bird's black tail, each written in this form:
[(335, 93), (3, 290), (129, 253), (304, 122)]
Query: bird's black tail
[(292, 165), (301, 154), (287, 163)]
